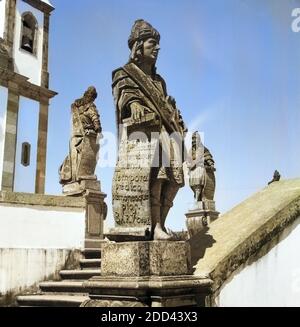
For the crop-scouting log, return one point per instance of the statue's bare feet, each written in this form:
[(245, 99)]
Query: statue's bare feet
[(160, 235)]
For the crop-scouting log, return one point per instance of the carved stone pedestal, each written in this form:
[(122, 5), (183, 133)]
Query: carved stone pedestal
[(78, 188), (95, 214), (147, 291), (128, 234), (153, 274), (161, 258), (200, 216)]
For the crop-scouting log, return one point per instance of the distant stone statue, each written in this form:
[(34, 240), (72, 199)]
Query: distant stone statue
[(78, 169), (276, 177), (143, 193), (201, 170)]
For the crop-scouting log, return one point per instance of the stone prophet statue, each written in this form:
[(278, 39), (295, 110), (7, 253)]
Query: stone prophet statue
[(79, 166), (143, 193), (201, 171)]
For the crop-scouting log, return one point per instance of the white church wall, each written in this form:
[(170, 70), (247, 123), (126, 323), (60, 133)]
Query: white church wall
[(41, 227), (2, 17), (35, 243), (26, 63), (21, 269), (27, 131), (3, 105), (272, 280)]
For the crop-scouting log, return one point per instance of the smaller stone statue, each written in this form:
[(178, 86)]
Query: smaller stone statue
[(77, 172), (201, 170), (276, 177), (200, 164)]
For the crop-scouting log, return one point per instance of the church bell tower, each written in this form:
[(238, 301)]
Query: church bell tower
[(24, 94)]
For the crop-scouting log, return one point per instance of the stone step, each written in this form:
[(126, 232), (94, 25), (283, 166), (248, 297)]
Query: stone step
[(91, 253), (70, 286), (90, 263), (79, 274), (51, 300)]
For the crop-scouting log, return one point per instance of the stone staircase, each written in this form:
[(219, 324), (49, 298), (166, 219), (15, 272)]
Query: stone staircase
[(69, 291)]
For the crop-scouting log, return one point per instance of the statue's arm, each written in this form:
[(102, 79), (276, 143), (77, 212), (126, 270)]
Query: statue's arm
[(129, 100), (208, 158), (126, 93), (94, 115)]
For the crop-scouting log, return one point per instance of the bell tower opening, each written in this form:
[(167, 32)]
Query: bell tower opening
[(28, 32)]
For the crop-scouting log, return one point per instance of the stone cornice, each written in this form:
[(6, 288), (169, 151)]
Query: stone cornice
[(40, 5), (23, 86), (25, 199)]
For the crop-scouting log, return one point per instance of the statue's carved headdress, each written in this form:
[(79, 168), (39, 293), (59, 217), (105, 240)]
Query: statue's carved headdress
[(142, 30)]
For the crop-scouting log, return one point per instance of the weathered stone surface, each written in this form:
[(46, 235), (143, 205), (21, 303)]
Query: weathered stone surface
[(10, 140), (42, 147), (238, 235), (23, 86), (159, 258), (151, 291), (200, 163), (197, 219), (77, 172), (126, 234), (149, 171), (202, 181), (81, 186), (111, 303), (95, 214), (7, 197)]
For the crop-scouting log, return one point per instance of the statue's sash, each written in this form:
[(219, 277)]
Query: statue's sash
[(152, 93)]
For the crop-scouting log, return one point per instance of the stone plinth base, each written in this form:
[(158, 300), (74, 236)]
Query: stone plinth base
[(160, 258), (95, 214), (201, 216), (128, 234), (78, 188), (149, 291)]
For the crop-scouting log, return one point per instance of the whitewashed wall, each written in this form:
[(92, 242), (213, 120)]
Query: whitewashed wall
[(272, 280), (3, 105), (27, 132), (24, 268), (41, 227), (2, 17), (26, 63), (35, 243)]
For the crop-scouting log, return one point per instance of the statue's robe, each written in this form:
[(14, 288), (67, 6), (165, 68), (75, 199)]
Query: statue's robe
[(83, 147), (140, 162), (201, 174)]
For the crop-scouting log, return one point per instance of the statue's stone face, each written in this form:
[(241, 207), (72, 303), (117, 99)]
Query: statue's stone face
[(150, 50), (90, 96)]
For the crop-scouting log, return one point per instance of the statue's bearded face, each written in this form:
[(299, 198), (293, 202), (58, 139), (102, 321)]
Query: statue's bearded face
[(150, 50)]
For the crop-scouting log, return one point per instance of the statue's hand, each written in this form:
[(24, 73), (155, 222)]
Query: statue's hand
[(137, 111)]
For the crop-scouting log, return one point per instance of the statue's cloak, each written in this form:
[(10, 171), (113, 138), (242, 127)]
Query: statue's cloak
[(138, 157)]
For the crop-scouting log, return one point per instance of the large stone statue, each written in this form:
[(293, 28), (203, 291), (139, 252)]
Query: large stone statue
[(77, 172), (145, 184)]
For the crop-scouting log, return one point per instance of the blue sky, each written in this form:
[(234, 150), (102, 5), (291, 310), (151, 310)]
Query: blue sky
[(232, 65)]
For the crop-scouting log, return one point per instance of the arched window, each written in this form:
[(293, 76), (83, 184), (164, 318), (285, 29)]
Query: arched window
[(29, 32)]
